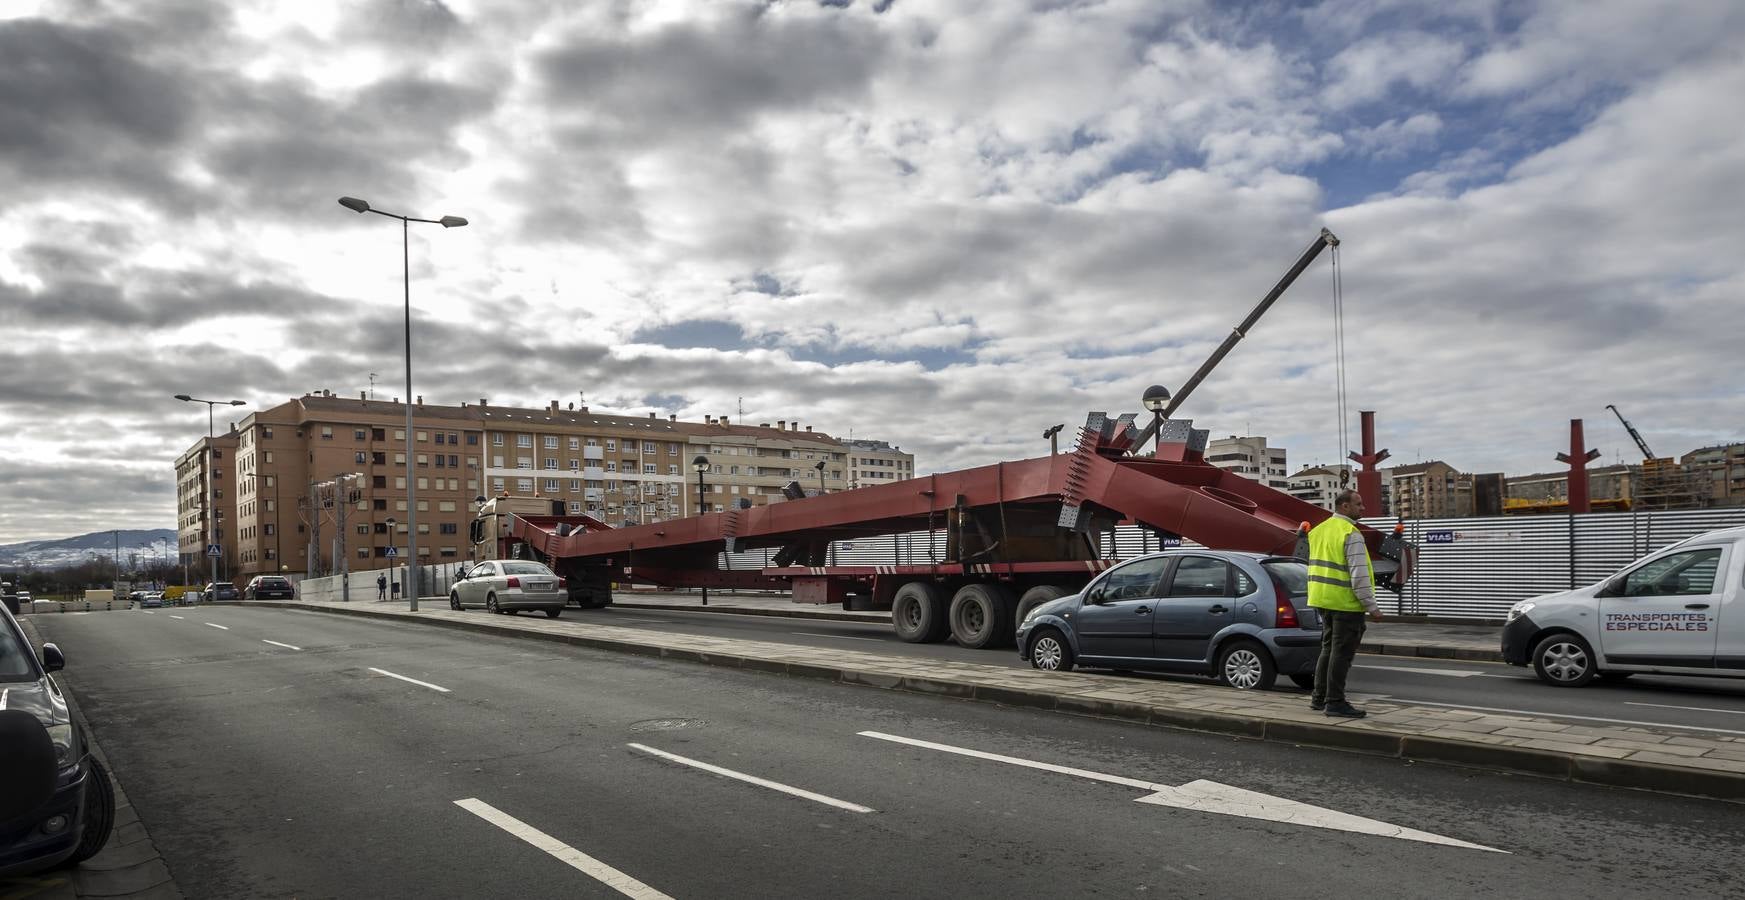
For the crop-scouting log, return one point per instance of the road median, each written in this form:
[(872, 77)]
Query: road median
[(1704, 764)]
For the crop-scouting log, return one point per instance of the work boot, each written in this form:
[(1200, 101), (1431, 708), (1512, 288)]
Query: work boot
[(1317, 705), (1345, 710)]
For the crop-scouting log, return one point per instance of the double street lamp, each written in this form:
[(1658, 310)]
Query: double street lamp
[(360, 206), (211, 507)]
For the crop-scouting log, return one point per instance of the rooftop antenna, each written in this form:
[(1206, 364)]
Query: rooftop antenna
[(742, 409), (372, 385)]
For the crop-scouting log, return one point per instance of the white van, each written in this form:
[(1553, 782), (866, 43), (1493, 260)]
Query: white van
[(1677, 611)]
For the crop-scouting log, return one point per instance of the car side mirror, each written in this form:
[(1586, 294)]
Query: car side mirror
[(1096, 596), (52, 658)]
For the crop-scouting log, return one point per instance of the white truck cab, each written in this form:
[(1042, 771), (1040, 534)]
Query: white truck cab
[(1677, 611)]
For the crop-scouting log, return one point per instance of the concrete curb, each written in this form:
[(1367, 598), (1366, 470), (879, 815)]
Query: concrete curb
[(129, 865), (1432, 651), (747, 611), (1347, 735)]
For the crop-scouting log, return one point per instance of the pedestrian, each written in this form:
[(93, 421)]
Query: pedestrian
[(381, 587), (1342, 589)]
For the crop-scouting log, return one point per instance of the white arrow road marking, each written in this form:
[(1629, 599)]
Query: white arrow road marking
[(410, 680), (574, 858), (753, 779), (277, 644), (223, 627), (1212, 797)]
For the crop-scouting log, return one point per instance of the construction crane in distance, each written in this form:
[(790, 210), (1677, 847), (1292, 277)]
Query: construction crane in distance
[(1634, 434)]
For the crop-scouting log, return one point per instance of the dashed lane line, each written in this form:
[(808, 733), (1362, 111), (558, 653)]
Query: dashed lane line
[(753, 779), (216, 625), (415, 681), (277, 644), (576, 859)]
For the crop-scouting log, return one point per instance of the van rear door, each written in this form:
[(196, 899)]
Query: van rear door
[(1665, 611)]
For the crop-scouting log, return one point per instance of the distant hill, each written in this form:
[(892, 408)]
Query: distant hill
[(149, 542)]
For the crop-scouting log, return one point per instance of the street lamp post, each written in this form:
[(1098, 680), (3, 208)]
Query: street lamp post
[(206, 496), (360, 206), (391, 523), (1157, 400), (701, 465)]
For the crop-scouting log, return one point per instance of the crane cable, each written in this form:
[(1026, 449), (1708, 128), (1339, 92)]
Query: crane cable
[(1339, 371)]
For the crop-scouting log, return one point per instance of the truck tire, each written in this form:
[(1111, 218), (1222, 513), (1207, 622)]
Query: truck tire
[(981, 615), (1037, 596), (918, 613)]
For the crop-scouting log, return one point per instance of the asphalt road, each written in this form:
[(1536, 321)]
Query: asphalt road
[(1715, 705), (266, 771)]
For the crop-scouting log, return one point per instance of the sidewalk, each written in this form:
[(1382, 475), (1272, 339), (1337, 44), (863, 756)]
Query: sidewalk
[(1392, 638), (1660, 759)]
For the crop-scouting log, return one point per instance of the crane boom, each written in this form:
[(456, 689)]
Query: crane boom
[(1634, 435)]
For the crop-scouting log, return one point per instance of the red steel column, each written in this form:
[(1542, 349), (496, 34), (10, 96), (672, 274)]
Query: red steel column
[(1578, 457), (1369, 478)]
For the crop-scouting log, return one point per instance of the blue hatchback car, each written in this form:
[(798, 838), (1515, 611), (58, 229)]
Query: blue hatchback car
[(1242, 618)]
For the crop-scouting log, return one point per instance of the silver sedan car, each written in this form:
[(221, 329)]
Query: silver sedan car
[(508, 586)]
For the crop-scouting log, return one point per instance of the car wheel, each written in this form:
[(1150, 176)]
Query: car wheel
[(1050, 652), (1564, 660), (553, 613), (1037, 596), (491, 604), (454, 600), (1305, 681), (981, 616), (1246, 666), (918, 613), (99, 814)]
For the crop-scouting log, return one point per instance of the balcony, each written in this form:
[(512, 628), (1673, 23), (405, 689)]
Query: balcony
[(594, 473), (593, 453)]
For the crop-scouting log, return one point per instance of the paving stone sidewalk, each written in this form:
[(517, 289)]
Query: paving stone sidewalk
[(1667, 759), (1393, 637)]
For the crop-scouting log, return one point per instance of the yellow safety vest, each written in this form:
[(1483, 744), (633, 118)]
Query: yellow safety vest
[(1329, 578)]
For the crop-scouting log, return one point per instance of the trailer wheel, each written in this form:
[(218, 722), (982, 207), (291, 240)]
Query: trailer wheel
[(981, 615), (918, 613), (1037, 596)]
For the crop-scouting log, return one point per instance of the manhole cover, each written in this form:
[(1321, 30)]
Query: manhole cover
[(666, 724)]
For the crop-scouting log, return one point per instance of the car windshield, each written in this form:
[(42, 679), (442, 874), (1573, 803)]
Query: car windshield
[(15, 661), (525, 568), (1289, 574)]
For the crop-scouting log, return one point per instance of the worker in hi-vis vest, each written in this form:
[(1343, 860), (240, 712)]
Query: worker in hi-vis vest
[(1342, 590)]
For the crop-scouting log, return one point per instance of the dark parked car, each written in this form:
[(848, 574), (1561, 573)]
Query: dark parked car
[(56, 803), (1243, 618), (220, 590), (269, 587)]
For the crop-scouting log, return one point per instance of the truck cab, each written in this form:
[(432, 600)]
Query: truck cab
[(489, 537), (1677, 611)]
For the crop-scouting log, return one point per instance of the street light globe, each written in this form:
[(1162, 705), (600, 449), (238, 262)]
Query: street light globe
[(1156, 398), (700, 464)]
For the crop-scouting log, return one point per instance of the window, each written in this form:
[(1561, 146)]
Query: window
[(648, 468), (453, 461), (379, 459), (1135, 580), (399, 459), (472, 439), (672, 449), (448, 551), (379, 505), (576, 443), (422, 436), (496, 439), (551, 486), (441, 460), (423, 459), (379, 481), (424, 484), (359, 434), (363, 553), (364, 528), (524, 462), (1200, 576), (445, 506), (400, 482), (649, 447), (362, 457), (611, 443), (672, 470), (497, 485), (399, 434), (267, 528), (575, 465), (267, 433), (629, 445), (524, 440), (551, 463), (575, 485), (1691, 573), (611, 467), (524, 485), (326, 434), (441, 438), (496, 462)]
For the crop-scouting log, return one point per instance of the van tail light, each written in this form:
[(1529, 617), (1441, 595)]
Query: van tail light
[(514, 582), (1286, 611)]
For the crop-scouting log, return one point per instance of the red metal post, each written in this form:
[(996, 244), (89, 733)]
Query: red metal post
[(1369, 478), (1578, 457)]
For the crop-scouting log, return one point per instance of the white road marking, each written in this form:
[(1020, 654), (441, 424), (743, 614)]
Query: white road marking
[(223, 627), (1736, 712), (753, 779), (277, 644), (1212, 797), (175, 617), (576, 859), (148, 612), (412, 680), (846, 637), (1550, 715), (1452, 673)]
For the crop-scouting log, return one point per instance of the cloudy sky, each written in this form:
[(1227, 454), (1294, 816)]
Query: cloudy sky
[(949, 225)]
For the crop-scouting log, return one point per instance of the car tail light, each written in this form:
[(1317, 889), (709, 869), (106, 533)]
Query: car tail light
[(1286, 611), (562, 582), (514, 582)]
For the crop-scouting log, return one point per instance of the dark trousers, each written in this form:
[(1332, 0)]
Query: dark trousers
[(1341, 632)]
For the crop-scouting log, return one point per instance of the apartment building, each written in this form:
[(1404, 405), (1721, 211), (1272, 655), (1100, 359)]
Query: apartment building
[(209, 462), (319, 477), (877, 462), (1429, 490), (1320, 484), (1251, 458), (1717, 474)]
